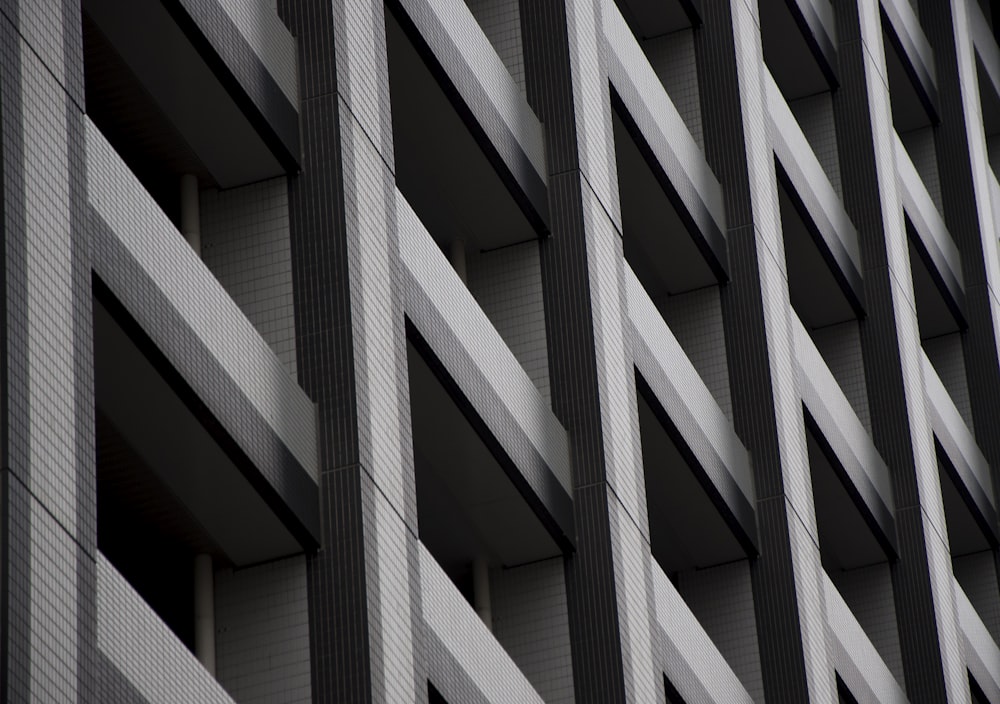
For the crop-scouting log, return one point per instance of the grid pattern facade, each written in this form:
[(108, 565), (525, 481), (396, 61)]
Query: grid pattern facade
[(703, 408)]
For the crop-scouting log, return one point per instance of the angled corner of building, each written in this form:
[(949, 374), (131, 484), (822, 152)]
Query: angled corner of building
[(488, 351)]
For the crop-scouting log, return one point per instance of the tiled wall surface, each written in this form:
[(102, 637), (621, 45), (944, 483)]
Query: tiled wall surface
[(471, 347), (858, 663), (868, 592), (695, 318), (920, 146), (814, 114), (262, 632), (689, 659), (47, 536), (259, 25), (507, 284), (721, 598), (203, 304), (977, 574), (464, 640), (672, 58), (143, 661), (841, 349), (501, 23), (945, 353), (531, 621), (244, 241), (292, 331)]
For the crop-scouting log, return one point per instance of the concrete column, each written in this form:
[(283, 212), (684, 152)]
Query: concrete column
[(481, 590), (456, 254), (190, 212), (204, 612)]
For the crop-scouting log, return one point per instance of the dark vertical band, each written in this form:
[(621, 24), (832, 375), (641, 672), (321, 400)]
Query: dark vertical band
[(15, 530), (337, 592), (85, 479), (598, 674), (884, 373), (776, 609), (961, 214), (337, 587)]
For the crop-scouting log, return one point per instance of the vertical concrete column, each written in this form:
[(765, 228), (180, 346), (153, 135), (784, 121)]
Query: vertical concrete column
[(48, 526), (191, 212), (204, 612), (592, 379), (481, 590), (965, 174), (787, 578), (456, 254), (344, 241), (922, 583)]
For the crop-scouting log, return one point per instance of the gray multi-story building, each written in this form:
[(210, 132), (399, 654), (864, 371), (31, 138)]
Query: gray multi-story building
[(488, 351)]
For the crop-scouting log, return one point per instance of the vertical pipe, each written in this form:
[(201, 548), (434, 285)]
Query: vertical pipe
[(456, 253), (204, 612), (481, 590), (190, 212)]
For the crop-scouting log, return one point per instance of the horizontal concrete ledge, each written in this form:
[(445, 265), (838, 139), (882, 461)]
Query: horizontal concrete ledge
[(844, 440), (258, 23), (253, 55), (182, 316), (120, 199), (466, 640), (143, 651), (961, 453), (818, 25), (982, 656), (985, 44), (934, 242), (854, 657), (485, 372), (814, 196), (670, 150), (903, 28), (483, 92), (700, 429), (994, 201), (693, 663), (227, 449)]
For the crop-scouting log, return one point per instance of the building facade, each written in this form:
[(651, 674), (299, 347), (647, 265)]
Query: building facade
[(486, 351)]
